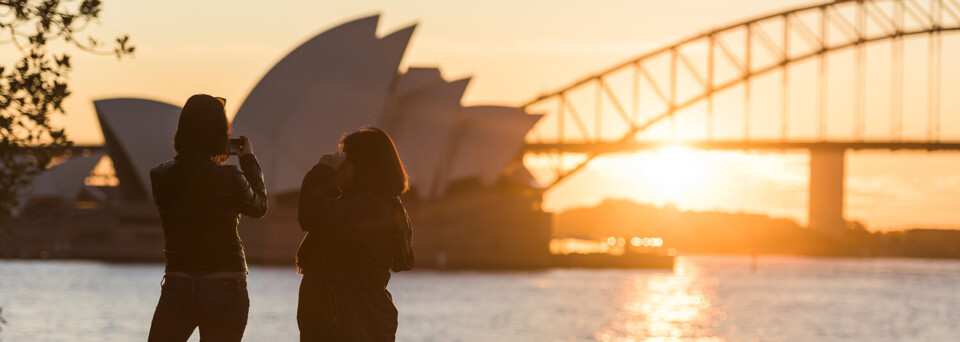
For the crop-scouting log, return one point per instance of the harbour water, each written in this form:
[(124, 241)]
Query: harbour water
[(706, 298)]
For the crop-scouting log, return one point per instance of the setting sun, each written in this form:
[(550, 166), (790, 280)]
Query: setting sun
[(673, 166), (674, 173)]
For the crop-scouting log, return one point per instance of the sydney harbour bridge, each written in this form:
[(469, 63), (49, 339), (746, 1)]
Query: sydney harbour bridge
[(827, 78)]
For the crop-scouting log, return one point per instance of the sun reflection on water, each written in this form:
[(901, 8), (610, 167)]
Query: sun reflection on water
[(664, 307)]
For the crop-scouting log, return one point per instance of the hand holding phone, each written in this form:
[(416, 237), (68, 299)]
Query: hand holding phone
[(234, 146), (240, 146), (247, 147)]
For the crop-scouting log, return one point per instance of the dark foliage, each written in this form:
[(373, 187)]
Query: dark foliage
[(33, 88)]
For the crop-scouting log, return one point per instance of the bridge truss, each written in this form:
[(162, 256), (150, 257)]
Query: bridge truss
[(773, 82)]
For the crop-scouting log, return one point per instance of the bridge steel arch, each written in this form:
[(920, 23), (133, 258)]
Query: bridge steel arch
[(785, 38)]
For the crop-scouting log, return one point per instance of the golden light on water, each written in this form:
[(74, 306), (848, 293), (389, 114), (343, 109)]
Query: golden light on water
[(667, 307)]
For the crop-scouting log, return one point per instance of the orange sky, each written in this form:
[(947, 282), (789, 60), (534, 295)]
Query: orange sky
[(514, 50)]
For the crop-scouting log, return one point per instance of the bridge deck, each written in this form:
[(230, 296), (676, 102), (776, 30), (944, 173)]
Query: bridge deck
[(608, 147)]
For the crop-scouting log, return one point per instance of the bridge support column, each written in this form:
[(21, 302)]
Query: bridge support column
[(826, 190)]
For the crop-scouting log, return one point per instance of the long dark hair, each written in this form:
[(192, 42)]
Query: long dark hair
[(203, 126), (376, 164)]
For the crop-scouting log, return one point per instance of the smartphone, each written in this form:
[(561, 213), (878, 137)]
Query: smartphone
[(234, 146)]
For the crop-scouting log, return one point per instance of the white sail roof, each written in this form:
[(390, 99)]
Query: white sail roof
[(335, 82), (488, 138), (142, 132), (62, 181), (423, 128), (416, 79)]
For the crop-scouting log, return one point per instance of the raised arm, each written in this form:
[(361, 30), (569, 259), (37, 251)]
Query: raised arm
[(318, 196), (323, 211), (251, 193)]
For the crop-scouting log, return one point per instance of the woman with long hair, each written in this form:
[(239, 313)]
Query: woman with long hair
[(357, 231), (200, 202)]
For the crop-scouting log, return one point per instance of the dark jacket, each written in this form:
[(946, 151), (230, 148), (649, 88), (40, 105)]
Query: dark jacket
[(353, 240), (200, 203)]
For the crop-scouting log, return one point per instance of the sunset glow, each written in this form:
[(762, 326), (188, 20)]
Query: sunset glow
[(677, 172)]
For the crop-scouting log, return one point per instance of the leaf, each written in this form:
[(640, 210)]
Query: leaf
[(63, 61)]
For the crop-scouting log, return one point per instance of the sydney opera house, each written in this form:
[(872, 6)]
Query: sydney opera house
[(471, 202)]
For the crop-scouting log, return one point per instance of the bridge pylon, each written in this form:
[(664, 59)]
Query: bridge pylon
[(825, 211)]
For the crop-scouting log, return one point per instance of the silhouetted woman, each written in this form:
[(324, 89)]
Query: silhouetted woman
[(200, 202), (357, 232)]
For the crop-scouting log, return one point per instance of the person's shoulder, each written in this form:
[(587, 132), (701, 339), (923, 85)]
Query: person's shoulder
[(229, 168), (229, 171), (162, 165), (322, 168), (161, 168), (161, 172)]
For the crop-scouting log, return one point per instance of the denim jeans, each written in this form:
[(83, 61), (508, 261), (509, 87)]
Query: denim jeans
[(217, 306)]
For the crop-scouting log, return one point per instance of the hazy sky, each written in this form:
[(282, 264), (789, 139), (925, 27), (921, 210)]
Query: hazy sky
[(513, 50)]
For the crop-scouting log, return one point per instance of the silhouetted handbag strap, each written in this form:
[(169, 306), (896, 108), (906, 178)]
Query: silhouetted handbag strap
[(404, 261)]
